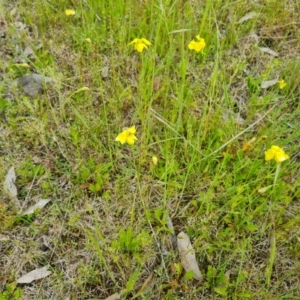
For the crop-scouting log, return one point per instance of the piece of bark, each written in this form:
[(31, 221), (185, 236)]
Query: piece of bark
[(187, 255)]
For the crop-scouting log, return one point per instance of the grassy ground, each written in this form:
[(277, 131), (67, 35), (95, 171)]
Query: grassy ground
[(204, 116)]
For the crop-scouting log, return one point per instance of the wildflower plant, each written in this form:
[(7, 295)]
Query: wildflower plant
[(281, 84), (140, 44), (69, 12), (279, 156), (127, 136), (197, 45), (188, 105)]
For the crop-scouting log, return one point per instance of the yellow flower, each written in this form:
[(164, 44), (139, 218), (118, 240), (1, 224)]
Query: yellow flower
[(140, 44), (197, 46), (276, 153), (70, 12), (154, 160), (127, 136), (281, 84)]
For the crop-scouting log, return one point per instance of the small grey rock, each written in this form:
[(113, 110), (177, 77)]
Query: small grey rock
[(28, 52), (104, 72), (33, 83)]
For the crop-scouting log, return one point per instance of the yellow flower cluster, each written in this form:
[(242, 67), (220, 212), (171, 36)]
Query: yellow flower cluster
[(128, 135), (141, 44)]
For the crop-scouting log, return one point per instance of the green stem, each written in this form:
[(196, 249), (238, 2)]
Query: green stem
[(276, 174)]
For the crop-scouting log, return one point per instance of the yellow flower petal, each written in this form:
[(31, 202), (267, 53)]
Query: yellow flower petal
[(191, 45), (282, 157), (276, 148), (122, 137), (145, 41), (130, 139), (140, 47), (70, 12), (133, 42), (269, 154), (132, 129)]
